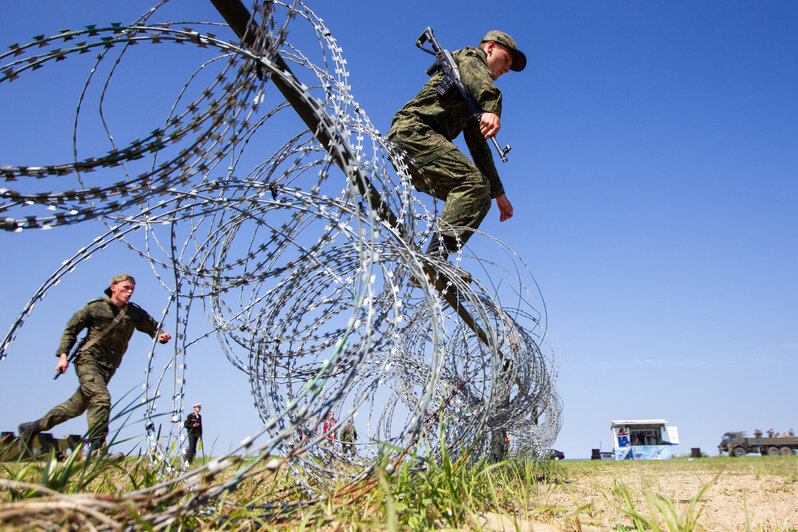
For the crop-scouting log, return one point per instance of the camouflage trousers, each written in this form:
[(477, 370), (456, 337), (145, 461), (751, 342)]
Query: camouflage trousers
[(348, 447), (453, 178), (92, 396), (499, 446)]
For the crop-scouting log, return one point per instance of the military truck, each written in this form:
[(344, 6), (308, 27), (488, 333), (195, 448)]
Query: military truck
[(738, 444)]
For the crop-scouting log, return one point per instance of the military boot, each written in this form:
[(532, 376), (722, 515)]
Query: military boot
[(97, 450), (28, 431), (439, 248)]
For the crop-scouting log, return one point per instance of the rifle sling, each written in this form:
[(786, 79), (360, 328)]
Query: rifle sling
[(90, 343)]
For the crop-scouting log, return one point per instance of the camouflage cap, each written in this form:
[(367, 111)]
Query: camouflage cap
[(118, 278), (519, 59)]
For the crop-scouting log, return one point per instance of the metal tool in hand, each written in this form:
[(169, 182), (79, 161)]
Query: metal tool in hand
[(451, 77)]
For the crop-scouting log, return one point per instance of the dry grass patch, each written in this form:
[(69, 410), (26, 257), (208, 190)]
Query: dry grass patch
[(753, 493)]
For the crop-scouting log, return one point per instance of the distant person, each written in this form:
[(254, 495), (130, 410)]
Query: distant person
[(770, 433), (757, 434), (300, 429), (499, 446), (791, 432), (348, 438), (329, 433), (110, 322), (193, 425)]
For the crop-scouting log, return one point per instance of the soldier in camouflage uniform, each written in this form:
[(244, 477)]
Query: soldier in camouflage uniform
[(97, 363), (425, 127), (348, 438)]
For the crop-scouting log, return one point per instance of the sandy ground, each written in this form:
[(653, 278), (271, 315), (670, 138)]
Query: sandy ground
[(732, 502), (743, 495)]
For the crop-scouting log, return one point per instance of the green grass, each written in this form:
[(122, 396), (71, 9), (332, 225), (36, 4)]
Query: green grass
[(419, 495)]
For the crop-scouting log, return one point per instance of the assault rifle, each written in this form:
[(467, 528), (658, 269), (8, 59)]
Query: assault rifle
[(451, 77)]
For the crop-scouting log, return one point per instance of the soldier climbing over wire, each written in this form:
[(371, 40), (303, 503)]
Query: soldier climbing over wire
[(425, 127), (110, 322)]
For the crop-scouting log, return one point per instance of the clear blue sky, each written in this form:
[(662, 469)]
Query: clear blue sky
[(654, 175)]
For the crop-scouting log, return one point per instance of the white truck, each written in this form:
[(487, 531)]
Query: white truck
[(643, 439)]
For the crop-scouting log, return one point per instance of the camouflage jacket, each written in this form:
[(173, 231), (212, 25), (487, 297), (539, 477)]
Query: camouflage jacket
[(415, 125), (348, 433), (95, 316)]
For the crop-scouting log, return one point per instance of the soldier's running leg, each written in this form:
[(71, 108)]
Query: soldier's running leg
[(94, 386), (69, 409)]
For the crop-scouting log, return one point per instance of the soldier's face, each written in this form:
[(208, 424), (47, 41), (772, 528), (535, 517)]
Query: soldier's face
[(499, 59), (121, 292)]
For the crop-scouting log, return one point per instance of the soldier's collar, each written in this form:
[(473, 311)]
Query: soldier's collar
[(108, 300), (482, 55)]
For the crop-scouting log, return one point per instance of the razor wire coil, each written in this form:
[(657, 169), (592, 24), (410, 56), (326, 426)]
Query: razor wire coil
[(309, 290)]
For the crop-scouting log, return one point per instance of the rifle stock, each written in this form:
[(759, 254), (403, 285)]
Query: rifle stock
[(73, 354)]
